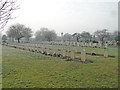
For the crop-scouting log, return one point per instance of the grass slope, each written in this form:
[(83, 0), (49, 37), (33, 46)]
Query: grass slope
[(22, 69)]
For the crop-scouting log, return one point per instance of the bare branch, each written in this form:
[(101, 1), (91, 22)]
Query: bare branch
[(6, 9)]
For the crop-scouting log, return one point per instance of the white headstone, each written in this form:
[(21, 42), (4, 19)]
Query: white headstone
[(106, 53), (64, 53), (72, 55), (83, 55), (48, 51)]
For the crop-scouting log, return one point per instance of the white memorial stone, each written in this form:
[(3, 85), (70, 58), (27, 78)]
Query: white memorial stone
[(72, 55), (106, 53), (64, 53), (83, 55)]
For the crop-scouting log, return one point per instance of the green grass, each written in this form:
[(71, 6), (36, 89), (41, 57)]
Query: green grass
[(22, 69)]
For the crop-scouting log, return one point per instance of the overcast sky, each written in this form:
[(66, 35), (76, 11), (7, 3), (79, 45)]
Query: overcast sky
[(68, 16)]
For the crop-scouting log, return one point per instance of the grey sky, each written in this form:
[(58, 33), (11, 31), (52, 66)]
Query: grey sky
[(68, 15)]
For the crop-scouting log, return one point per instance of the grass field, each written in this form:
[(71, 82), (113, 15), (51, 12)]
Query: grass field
[(23, 69)]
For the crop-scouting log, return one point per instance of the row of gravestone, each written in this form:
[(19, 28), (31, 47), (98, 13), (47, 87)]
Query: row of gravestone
[(45, 51), (57, 47), (82, 44), (53, 51)]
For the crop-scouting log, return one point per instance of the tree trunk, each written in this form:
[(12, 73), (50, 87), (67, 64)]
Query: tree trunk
[(18, 40), (77, 39), (102, 41)]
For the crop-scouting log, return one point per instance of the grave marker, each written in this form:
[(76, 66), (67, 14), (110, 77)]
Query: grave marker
[(64, 53), (105, 53), (83, 55), (72, 55)]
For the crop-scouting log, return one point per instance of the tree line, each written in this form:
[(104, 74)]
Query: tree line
[(19, 31)]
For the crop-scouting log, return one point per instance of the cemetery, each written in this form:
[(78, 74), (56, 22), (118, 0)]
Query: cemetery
[(51, 61), (62, 51), (59, 44), (62, 65)]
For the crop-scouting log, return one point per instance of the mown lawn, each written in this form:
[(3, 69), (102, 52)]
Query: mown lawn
[(22, 69)]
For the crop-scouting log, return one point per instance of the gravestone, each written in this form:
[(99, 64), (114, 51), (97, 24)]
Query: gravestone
[(99, 44), (51, 51), (93, 52), (84, 44), (75, 49), (83, 55), (54, 52), (105, 53), (90, 44), (64, 53), (42, 49), (48, 51), (72, 55), (78, 44), (115, 43)]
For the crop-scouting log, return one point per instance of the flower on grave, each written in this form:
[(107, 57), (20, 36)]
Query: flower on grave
[(33, 50), (93, 53), (59, 55), (69, 59), (63, 57), (44, 53)]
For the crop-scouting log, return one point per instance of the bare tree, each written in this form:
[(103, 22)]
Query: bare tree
[(86, 36), (19, 31), (40, 34), (67, 37), (6, 9), (51, 35), (116, 35), (45, 35), (4, 38), (27, 33), (102, 34)]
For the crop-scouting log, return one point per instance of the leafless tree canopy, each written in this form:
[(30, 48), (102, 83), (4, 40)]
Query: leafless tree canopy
[(102, 34), (6, 9), (67, 37), (19, 31), (45, 34)]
